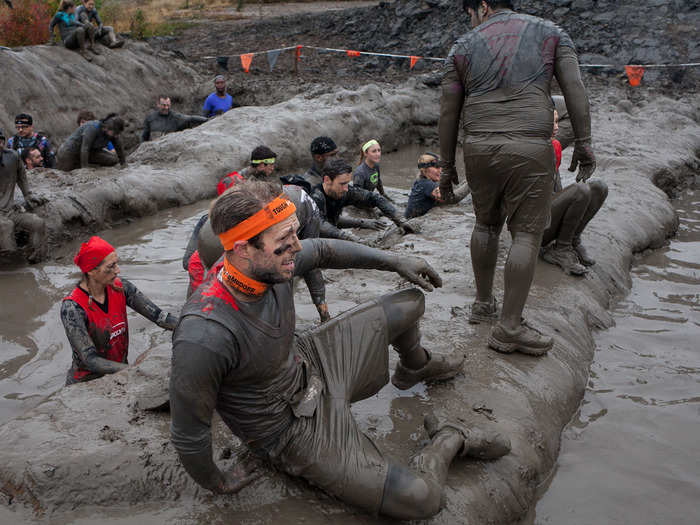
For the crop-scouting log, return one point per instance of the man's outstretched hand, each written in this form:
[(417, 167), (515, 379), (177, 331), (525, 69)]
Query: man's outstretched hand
[(418, 272), (584, 159)]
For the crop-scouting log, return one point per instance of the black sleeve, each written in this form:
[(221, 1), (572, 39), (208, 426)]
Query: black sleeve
[(333, 253), (193, 242), (204, 352), (146, 133), (89, 135), (75, 323), (369, 199), (142, 304)]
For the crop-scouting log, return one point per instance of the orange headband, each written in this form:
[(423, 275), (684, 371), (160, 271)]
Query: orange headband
[(274, 212)]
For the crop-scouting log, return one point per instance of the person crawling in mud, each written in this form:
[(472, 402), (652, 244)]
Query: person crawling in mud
[(87, 145), (162, 121), (288, 397), (26, 137), (335, 192), (572, 209), (13, 219), (87, 15), (498, 76), (74, 34), (262, 164), (367, 174), (94, 314), (322, 149), (425, 192)]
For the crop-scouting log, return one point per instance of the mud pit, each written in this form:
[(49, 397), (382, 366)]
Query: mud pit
[(57, 453)]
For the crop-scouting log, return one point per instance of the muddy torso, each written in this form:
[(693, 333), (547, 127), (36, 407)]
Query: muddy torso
[(163, 124), (421, 199), (505, 66), (91, 130), (9, 169), (365, 177)]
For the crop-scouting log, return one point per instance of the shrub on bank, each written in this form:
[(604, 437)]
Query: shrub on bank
[(25, 25)]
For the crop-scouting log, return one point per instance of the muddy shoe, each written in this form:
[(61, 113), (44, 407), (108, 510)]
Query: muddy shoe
[(526, 340), (483, 312), (116, 44), (566, 258), (438, 368), (582, 253), (87, 56), (478, 443)]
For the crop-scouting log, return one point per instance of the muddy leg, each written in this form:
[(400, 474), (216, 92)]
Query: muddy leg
[(103, 158), (518, 274), (36, 230), (598, 192), (7, 234), (484, 253), (579, 197), (560, 203)]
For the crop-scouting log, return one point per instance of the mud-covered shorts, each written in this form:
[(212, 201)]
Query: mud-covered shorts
[(350, 353), (511, 182)]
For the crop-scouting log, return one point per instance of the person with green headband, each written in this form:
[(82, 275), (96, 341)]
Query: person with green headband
[(367, 175), (262, 164)]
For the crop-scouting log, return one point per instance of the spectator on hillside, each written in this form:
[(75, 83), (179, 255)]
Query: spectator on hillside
[(74, 34), (87, 145), (26, 137), (219, 101), (87, 15), (162, 121), (32, 158)]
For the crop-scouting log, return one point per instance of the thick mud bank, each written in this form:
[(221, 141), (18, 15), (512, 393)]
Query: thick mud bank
[(91, 449)]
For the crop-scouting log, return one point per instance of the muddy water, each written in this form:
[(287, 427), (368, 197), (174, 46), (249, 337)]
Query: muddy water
[(632, 453)]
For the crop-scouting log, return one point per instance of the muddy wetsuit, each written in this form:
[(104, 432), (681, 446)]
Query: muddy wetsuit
[(368, 178), (99, 333), (331, 210), (38, 141), (286, 397), (422, 199), (73, 33), (104, 33), (313, 176), (156, 125), (86, 146), (12, 218)]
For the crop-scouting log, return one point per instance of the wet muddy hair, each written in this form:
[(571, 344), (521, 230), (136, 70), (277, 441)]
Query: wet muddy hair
[(84, 115), (262, 152), (66, 5), (240, 201), (474, 4), (113, 123), (335, 167)]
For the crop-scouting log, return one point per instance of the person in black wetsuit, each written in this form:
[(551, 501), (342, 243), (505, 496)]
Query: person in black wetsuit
[(26, 138), (322, 149), (367, 175), (336, 192), (288, 397), (425, 192), (87, 145), (162, 121)]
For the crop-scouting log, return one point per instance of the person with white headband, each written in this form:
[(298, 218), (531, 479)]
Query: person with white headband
[(367, 175)]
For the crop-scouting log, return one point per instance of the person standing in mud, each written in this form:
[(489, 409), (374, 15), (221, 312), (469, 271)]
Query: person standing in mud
[(87, 15), (74, 34), (26, 137), (219, 102), (425, 192), (87, 145), (367, 175), (322, 149), (572, 209), (12, 218), (287, 397), (162, 121), (498, 75), (94, 314), (336, 192)]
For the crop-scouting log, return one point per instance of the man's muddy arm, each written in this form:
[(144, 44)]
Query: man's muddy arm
[(146, 133), (117, 143), (75, 323), (194, 241), (568, 74), (89, 136), (451, 102), (138, 302), (22, 179)]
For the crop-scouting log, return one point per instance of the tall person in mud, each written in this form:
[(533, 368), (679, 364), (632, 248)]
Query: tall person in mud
[(499, 75), (287, 397)]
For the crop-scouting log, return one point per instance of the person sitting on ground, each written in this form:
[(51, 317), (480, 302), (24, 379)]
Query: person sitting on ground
[(26, 137), (87, 15), (13, 219), (31, 157), (94, 314), (322, 149), (262, 164), (162, 121), (74, 34), (335, 192), (425, 192), (219, 101), (367, 175), (83, 117), (572, 209), (87, 145), (288, 397)]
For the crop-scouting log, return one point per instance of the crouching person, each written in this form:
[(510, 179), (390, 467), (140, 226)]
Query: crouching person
[(87, 145), (288, 398)]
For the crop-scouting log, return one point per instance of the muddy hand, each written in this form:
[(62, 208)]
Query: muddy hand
[(584, 159), (448, 175), (241, 475), (323, 312), (372, 224), (419, 272), (407, 228)]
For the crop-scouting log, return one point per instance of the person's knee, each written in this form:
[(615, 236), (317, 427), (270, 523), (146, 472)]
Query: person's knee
[(402, 309), (409, 496), (492, 230), (582, 193), (526, 239), (599, 190)]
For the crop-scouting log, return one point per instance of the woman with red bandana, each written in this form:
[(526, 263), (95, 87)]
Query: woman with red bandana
[(94, 314)]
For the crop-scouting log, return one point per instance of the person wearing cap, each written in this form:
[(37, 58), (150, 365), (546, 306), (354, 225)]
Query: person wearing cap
[(26, 137), (262, 163), (12, 218), (87, 145), (425, 192), (162, 121), (322, 149), (87, 15), (219, 101), (367, 175), (287, 397), (94, 314)]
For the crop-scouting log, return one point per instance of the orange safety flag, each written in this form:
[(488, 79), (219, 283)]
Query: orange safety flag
[(299, 53), (634, 74), (352, 53), (414, 59), (246, 59)]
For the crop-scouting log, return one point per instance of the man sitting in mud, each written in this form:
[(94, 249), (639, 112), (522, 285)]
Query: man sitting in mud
[(572, 209), (26, 137), (322, 150), (335, 192), (87, 14), (287, 397), (425, 192), (87, 145), (13, 220), (262, 164), (162, 121), (219, 102)]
